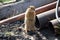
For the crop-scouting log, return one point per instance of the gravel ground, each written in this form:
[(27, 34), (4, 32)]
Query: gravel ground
[(43, 34)]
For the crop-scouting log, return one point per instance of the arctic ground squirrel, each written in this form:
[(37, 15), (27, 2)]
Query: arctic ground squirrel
[(30, 19)]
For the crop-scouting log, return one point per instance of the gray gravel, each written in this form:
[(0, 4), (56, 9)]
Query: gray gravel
[(44, 34)]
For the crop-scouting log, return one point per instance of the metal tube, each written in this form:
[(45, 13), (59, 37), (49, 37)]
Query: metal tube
[(54, 22), (46, 16)]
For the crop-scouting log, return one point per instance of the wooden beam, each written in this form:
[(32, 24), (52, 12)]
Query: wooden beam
[(21, 16)]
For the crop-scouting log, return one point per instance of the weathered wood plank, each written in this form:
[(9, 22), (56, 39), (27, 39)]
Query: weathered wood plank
[(19, 7)]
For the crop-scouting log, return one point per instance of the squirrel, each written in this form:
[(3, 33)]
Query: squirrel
[(30, 19)]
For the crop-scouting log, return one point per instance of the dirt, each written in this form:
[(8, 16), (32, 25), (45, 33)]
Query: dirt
[(42, 34)]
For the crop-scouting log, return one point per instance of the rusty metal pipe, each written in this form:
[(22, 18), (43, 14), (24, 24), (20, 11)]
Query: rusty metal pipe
[(46, 7), (21, 16)]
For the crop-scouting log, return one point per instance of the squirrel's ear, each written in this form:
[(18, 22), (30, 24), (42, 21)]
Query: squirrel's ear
[(32, 7)]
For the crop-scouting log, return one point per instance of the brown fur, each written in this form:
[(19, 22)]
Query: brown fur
[(30, 19)]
